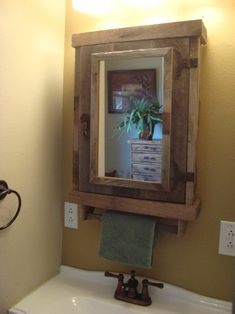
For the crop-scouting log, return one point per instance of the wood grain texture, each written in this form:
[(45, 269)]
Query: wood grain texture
[(178, 150), (158, 31), (168, 225), (167, 54), (76, 127), (180, 132), (193, 118), (143, 207), (83, 90)]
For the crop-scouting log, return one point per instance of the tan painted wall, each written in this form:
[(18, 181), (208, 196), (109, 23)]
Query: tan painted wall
[(191, 261), (31, 76)]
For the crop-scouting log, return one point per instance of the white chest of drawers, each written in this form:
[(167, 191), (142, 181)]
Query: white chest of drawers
[(146, 160)]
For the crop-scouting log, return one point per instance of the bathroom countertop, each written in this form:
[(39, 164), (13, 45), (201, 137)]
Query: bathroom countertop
[(85, 292)]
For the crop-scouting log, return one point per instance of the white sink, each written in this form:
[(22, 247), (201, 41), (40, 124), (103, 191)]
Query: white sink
[(88, 306), (76, 291)]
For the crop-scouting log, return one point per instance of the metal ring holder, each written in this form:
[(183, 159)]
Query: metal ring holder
[(4, 190)]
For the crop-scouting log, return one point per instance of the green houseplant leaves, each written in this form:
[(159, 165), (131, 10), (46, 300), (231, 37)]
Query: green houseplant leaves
[(144, 113)]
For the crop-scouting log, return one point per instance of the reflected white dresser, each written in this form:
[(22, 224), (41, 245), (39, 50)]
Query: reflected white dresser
[(146, 160)]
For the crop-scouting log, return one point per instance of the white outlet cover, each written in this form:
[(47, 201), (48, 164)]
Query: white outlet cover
[(71, 215), (227, 238)]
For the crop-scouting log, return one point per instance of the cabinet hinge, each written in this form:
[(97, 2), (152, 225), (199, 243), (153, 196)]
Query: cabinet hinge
[(189, 177), (183, 176), (190, 63), (182, 64), (186, 177)]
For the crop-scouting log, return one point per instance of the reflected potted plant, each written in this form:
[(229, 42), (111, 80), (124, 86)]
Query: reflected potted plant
[(144, 113)]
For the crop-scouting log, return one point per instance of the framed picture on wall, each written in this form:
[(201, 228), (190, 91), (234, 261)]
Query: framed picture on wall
[(123, 85)]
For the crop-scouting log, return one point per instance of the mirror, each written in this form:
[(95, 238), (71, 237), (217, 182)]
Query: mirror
[(131, 99)]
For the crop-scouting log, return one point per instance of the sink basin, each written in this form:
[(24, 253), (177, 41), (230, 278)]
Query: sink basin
[(90, 306), (76, 291)]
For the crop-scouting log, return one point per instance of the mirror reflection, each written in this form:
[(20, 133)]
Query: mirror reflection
[(132, 96)]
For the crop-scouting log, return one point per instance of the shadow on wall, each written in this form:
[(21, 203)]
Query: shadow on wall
[(233, 311)]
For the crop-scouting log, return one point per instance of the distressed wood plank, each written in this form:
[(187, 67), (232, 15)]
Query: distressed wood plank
[(143, 207), (158, 31), (193, 118), (185, 39)]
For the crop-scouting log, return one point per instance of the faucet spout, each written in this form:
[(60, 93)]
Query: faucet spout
[(128, 291)]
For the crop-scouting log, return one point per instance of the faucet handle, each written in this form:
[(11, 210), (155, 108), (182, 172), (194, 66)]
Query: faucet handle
[(120, 286), (119, 276), (145, 293), (108, 274), (146, 282)]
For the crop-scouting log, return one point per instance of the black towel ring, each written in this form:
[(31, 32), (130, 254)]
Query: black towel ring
[(4, 190)]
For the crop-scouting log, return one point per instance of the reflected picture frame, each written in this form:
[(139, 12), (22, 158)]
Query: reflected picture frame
[(125, 84)]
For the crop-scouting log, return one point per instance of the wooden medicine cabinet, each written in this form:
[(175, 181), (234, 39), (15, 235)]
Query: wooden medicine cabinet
[(147, 75)]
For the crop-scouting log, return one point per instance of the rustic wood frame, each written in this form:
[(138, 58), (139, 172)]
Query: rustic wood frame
[(167, 55), (190, 35)]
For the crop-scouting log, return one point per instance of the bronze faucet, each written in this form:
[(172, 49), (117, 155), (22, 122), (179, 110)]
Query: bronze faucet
[(128, 291)]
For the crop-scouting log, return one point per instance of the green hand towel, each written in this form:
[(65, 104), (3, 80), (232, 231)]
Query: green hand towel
[(127, 238)]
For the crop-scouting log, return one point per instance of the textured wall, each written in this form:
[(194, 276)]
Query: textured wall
[(192, 261), (31, 76)]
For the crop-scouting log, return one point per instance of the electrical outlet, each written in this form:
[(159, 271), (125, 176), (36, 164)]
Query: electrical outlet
[(70, 215), (227, 238)]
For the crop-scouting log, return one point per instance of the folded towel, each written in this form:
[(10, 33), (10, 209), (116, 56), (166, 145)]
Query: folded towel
[(127, 238)]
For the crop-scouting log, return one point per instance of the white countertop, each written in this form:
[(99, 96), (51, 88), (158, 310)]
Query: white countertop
[(88, 292)]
